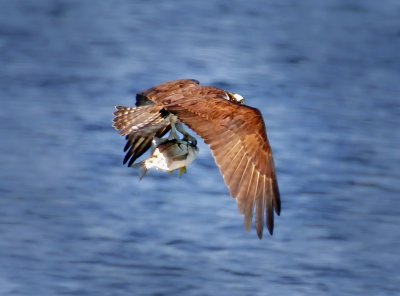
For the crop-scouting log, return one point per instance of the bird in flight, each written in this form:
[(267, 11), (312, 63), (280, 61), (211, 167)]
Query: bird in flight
[(235, 133)]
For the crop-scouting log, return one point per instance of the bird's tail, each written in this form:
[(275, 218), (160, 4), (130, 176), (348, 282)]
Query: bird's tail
[(143, 120)]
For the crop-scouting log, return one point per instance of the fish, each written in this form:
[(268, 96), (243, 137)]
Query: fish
[(169, 155)]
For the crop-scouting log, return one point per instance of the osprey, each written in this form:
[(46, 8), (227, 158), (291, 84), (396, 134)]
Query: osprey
[(235, 133)]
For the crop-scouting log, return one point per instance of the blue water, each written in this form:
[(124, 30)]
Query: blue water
[(74, 221)]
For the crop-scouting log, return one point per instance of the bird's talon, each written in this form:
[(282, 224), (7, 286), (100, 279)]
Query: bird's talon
[(182, 171)]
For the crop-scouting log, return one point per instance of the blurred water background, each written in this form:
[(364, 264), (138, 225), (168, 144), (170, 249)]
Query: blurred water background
[(74, 221)]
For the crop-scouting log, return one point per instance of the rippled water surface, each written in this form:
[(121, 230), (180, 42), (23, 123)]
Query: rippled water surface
[(74, 221)]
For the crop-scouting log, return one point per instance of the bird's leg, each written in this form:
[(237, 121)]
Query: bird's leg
[(186, 135), (173, 135)]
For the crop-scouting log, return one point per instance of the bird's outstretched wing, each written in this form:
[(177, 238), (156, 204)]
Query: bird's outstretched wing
[(140, 125), (148, 120), (166, 89), (237, 137)]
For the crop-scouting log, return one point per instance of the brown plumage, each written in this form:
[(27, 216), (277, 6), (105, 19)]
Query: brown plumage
[(235, 133)]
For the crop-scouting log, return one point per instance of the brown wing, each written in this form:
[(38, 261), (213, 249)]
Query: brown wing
[(237, 137), (141, 124), (167, 89)]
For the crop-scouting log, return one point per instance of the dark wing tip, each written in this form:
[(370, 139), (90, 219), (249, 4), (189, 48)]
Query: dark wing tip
[(127, 157), (278, 207), (270, 219), (128, 143), (260, 232), (277, 196), (195, 81), (132, 160)]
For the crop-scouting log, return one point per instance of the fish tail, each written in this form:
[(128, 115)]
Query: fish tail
[(143, 169)]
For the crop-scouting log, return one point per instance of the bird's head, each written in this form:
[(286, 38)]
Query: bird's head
[(236, 98)]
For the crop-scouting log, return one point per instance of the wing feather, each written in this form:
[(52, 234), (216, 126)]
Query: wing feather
[(237, 179), (140, 125), (237, 138), (251, 205), (247, 204), (260, 207), (140, 120), (138, 145), (269, 208), (235, 165), (227, 151)]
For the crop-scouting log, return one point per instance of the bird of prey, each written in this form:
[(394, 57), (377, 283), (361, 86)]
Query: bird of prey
[(235, 133)]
